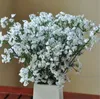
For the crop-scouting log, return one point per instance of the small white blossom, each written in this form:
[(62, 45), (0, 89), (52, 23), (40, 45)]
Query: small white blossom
[(22, 60), (4, 22), (91, 33), (86, 40), (1, 39), (13, 15), (26, 83)]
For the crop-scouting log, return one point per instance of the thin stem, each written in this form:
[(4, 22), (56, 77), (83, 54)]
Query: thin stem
[(71, 62), (14, 52)]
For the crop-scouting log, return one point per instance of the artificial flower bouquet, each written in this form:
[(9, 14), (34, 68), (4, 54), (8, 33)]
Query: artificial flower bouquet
[(48, 46)]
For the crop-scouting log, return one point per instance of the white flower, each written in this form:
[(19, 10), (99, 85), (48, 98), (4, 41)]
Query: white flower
[(56, 59), (91, 33), (21, 80), (69, 38), (67, 47), (5, 58), (26, 83), (32, 16), (17, 49), (47, 43), (22, 60), (74, 48), (13, 15), (86, 40), (11, 20), (70, 52), (1, 39), (34, 58), (95, 28), (48, 48), (4, 22)]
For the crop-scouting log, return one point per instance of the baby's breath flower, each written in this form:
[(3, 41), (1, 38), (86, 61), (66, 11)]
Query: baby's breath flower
[(47, 45)]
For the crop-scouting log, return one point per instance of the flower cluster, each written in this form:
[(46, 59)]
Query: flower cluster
[(47, 45)]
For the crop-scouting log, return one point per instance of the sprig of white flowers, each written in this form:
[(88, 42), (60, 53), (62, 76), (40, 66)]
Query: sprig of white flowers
[(47, 45)]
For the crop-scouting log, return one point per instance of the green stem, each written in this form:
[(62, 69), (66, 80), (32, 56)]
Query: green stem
[(71, 62)]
